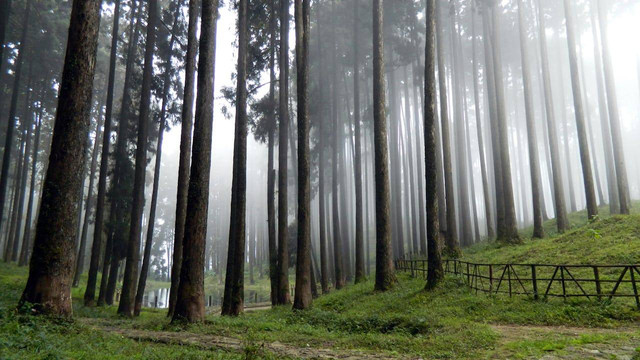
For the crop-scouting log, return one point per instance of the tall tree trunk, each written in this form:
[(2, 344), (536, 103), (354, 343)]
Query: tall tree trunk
[(156, 177), (322, 212), (451, 243), (89, 203), (612, 183), (367, 188), (303, 297), (96, 247), (589, 125), (6, 157), (472, 185), (558, 185), (26, 248), (27, 119), (283, 177), (185, 153), (459, 93), (49, 284), (412, 168), (585, 156), (360, 271), (385, 273), (419, 141), (483, 166), (13, 214), (233, 303), (435, 272), (127, 299), (614, 117), (339, 276), (510, 234), (271, 180), (395, 166), (113, 250), (144, 270), (493, 121), (573, 205), (534, 162), (5, 11), (190, 298)]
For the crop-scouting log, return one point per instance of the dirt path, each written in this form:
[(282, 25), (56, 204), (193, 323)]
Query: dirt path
[(212, 342), (561, 342)]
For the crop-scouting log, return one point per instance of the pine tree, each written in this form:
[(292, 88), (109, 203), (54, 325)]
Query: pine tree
[(51, 268), (435, 272), (190, 301), (385, 273), (127, 299), (233, 303)]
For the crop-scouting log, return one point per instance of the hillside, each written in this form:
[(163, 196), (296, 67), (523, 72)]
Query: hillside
[(450, 322), (613, 240)]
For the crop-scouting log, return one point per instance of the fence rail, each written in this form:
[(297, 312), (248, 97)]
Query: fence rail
[(541, 280)]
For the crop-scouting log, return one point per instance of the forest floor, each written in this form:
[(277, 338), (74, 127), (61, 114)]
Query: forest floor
[(358, 323)]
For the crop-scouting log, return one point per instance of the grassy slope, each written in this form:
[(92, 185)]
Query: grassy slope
[(450, 322), (610, 240)]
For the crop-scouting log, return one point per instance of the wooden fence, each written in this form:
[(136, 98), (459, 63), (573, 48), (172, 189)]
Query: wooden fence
[(602, 282)]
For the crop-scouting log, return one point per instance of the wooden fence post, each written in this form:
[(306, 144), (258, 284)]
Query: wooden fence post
[(490, 278), (509, 279), (564, 289), (534, 280), (635, 288), (596, 275)]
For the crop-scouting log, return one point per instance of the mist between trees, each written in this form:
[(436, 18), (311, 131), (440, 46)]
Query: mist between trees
[(173, 140)]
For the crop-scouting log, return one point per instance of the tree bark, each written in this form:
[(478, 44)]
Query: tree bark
[(339, 276), (451, 236), (510, 234), (116, 210), (190, 299), (49, 284), (89, 203), (156, 177), (24, 170), (233, 303), (185, 154), (412, 168), (612, 183), (271, 176), (483, 166), (534, 161), (360, 272), (435, 272), (493, 120), (283, 175), (385, 273), (303, 297), (127, 299), (5, 11), (96, 247), (459, 94), (585, 156), (27, 244), (558, 186)]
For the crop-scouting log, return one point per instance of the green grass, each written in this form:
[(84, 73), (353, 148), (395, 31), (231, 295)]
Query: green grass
[(614, 240), (449, 322)]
